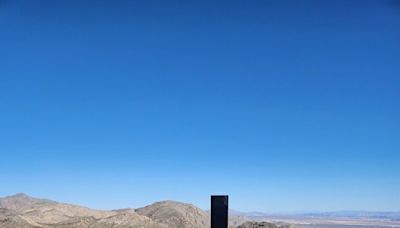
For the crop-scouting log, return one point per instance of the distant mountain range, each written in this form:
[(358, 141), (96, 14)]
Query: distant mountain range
[(337, 214), (23, 211)]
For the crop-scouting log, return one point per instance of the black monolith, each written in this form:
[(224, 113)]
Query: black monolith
[(219, 211)]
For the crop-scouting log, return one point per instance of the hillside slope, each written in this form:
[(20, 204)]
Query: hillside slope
[(176, 214)]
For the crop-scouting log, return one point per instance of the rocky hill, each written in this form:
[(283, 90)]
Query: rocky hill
[(175, 214), (23, 211), (21, 202)]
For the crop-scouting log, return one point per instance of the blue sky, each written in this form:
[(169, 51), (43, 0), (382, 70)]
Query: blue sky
[(284, 105)]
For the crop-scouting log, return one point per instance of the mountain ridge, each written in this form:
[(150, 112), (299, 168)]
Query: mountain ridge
[(22, 210)]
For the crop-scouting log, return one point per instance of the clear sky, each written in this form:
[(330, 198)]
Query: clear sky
[(284, 105)]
